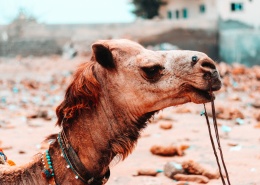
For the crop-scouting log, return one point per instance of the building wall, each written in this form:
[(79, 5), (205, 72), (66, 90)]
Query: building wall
[(214, 9), (249, 14), (193, 8), (240, 45)]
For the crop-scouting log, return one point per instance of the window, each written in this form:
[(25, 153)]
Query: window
[(169, 14), (202, 8), (177, 14), (185, 13), (236, 7)]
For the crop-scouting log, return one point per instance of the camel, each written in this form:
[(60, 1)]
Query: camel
[(108, 103)]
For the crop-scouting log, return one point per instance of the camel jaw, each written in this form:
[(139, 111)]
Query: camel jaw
[(199, 96)]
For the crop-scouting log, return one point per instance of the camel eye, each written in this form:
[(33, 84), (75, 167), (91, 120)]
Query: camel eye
[(152, 73)]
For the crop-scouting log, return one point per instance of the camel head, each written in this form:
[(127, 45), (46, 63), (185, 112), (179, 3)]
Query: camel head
[(141, 80), (114, 94)]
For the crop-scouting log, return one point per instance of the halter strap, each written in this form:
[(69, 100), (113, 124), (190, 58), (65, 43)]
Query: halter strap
[(76, 165)]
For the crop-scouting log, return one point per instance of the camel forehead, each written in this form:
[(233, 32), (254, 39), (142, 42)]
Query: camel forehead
[(123, 44)]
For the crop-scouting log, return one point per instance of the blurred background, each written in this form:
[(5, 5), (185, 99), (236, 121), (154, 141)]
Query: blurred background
[(43, 42), (225, 30)]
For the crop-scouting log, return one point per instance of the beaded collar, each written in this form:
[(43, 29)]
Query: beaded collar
[(48, 172), (74, 163)]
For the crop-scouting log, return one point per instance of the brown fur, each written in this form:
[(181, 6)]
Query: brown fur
[(110, 100), (81, 94)]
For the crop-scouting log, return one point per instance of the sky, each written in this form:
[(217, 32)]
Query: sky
[(69, 11)]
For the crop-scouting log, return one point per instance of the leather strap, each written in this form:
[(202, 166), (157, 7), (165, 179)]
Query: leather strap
[(76, 165)]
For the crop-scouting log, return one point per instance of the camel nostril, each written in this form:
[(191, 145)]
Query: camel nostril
[(208, 65)]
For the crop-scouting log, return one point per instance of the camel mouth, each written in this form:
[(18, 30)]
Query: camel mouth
[(200, 96), (204, 93)]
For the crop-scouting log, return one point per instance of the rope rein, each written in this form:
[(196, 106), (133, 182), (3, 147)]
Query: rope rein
[(217, 139)]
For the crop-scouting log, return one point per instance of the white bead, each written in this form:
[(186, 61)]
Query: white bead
[(76, 177), (61, 155), (68, 166)]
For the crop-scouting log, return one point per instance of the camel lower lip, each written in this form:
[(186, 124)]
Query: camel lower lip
[(205, 94), (202, 94)]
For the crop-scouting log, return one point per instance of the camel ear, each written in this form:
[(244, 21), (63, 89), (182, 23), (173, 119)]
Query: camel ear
[(103, 55)]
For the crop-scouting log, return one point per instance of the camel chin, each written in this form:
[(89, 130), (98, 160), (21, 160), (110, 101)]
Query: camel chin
[(200, 96)]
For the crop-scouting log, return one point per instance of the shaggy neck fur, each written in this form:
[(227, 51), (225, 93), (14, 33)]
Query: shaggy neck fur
[(97, 138), (95, 126)]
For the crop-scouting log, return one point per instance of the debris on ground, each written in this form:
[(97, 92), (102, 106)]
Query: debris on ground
[(191, 178), (166, 125), (168, 150), (192, 167), (147, 172)]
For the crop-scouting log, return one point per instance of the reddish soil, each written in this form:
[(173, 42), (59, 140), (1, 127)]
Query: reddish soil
[(31, 88)]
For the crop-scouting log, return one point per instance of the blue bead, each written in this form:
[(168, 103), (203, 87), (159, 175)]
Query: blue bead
[(49, 162), (50, 166), (47, 173)]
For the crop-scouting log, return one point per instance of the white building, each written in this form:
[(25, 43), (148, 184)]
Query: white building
[(246, 11)]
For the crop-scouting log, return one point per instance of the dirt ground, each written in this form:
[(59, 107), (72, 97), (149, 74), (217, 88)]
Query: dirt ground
[(31, 88)]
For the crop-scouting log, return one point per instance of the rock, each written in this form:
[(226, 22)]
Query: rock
[(30, 84), (228, 113), (257, 125), (191, 178), (257, 116), (181, 110), (166, 125), (240, 121), (21, 152), (182, 183), (256, 104), (256, 69), (147, 172), (191, 167), (163, 116), (232, 144), (234, 97), (6, 125), (238, 69), (172, 168), (168, 150), (40, 114), (226, 129)]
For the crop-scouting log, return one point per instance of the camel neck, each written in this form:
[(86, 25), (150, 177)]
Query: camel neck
[(97, 136)]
